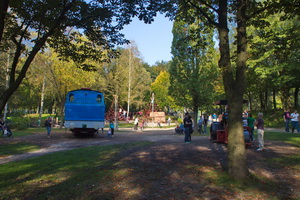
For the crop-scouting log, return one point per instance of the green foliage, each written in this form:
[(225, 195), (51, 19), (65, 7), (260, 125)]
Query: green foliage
[(19, 123), (192, 72)]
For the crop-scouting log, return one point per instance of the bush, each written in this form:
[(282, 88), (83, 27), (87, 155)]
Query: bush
[(19, 123)]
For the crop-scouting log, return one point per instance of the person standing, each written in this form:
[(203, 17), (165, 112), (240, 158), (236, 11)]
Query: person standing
[(112, 127), (287, 119), (295, 121), (214, 117), (200, 123), (251, 121), (169, 121), (136, 123), (188, 127), (205, 121), (48, 125), (259, 122)]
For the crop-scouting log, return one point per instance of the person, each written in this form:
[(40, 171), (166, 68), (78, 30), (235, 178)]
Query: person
[(214, 117), (109, 133), (136, 123), (251, 121), (287, 119), (169, 121), (295, 121), (2, 125), (245, 113), (245, 119), (112, 127), (142, 124), (205, 121), (48, 125), (200, 123), (259, 122), (158, 124), (188, 127)]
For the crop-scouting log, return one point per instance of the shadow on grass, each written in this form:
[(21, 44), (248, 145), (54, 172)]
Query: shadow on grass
[(142, 170)]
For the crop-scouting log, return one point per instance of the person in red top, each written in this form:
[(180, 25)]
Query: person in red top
[(287, 119), (259, 122)]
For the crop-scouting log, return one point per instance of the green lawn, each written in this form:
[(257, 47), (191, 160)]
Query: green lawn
[(87, 173), (290, 138)]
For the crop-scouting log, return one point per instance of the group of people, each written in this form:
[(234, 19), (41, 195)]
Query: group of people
[(291, 118), (248, 120)]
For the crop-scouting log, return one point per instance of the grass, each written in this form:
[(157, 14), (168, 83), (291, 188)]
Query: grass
[(99, 171), (290, 138), (32, 131), (63, 175), (16, 148)]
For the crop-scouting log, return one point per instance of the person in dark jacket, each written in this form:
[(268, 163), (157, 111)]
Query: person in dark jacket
[(188, 128), (48, 125)]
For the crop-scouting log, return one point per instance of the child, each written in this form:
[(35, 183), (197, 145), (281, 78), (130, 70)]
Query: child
[(109, 133), (7, 132), (112, 127)]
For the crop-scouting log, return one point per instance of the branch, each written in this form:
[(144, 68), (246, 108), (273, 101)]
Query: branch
[(202, 12)]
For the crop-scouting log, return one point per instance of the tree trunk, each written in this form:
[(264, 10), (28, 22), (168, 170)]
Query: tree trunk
[(296, 104), (195, 119), (285, 98), (266, 99), (262, 102), (234, 87), (14, 83), (274, 99), (3, 11)]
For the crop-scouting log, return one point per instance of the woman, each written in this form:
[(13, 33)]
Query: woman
[(295, 121), (259, 122)]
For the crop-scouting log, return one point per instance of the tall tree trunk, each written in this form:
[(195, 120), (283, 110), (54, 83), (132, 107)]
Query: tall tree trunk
[(234, 87), (3, 11), (296, 93), (266, 100), (285, 98), (262, 102), (274, 99), (250, 101)]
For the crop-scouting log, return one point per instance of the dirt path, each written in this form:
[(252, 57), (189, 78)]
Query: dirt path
[(169, 149)]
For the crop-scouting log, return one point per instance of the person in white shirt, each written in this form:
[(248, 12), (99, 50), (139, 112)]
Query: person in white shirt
[(295, 121)]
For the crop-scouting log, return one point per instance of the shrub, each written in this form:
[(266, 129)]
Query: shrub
[(19, 123)]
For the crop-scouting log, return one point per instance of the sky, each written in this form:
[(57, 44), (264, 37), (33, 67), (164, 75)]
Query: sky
[(153, 40)]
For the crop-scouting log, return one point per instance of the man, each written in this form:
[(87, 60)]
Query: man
[(48, 124), (200, 123), (205, 121), (188, 127)]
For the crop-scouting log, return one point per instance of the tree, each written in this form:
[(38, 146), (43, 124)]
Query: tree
[(160, 87), (60, 24), (274, 57), (192, 70)]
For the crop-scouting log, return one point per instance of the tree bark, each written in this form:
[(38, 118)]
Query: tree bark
[(234, 87), (3, 10), (274, 99), (286, 102), (296, 93)]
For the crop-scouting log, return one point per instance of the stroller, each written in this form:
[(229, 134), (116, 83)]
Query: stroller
[(179, 130), (7, 132)]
